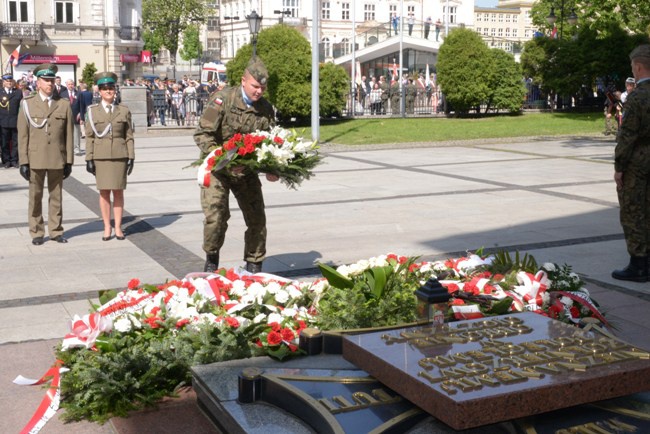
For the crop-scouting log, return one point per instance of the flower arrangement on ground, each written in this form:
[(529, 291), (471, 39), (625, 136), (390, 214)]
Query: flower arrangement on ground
[(278, 152), (139, 345)]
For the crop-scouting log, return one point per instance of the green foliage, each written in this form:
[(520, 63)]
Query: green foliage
[(380, 296), (464, 65), (503, 263), (333, 89), (166, 22), (287, 56), (192, 47), (88, 73), (506, 84)]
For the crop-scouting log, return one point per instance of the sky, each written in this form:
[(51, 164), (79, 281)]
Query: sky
[(486, 3)]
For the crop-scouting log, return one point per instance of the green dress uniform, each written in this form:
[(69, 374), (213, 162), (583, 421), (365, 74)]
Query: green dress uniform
[(225, 115), (45, 129), (109, 143)]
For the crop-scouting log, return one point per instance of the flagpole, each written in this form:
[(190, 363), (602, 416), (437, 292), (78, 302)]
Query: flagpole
[(354, 59), (401, 56)]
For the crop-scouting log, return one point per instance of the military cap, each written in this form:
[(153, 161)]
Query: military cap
[(257, 70), (105, 78), (7, 77), (46, 70), (630, 80)]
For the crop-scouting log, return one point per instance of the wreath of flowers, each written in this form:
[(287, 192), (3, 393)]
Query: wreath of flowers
[(278, 152)]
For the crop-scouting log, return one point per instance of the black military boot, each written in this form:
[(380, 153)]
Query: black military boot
[(211, 263), (253, 267), (636, 271)]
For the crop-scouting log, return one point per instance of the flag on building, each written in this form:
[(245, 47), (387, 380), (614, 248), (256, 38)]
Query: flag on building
[(15, 56), (427, 77)]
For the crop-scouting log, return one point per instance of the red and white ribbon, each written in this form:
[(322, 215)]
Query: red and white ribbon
[(532, 287), (85, 330), (50, 403), (467, 311)]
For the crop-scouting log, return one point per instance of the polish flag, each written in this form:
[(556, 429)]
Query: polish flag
[(15, 56)]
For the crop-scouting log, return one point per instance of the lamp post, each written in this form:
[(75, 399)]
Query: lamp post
[(282, 14), (254, 23), (552, 18), (232, 33)]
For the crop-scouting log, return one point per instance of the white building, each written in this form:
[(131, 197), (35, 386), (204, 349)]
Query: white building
[(71, 34)]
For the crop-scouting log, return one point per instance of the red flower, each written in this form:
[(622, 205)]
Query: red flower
[(133, 283), (182, 322), (274, 338), (451, 287), (457, 302), (413, 267), (275, 326), (293, 348), (232, 322), (259, 343), (153, 321), (278, 140), (155, 310), (575, 312), (287, 334)]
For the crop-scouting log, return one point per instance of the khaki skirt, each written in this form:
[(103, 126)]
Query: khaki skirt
[(111, 174)]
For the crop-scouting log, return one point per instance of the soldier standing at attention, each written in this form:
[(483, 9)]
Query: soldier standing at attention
[(233, 110), (632, 170), (10, 98), (45, 150), (110, 151)]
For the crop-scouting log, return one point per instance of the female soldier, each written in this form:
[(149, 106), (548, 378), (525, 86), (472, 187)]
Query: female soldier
[(109, 151)]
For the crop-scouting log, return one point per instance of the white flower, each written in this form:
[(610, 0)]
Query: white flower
[(274, 317), (294, 292), (259, 318), (238, 288), (549, 266), (281, 296), (122, 325), (566, 301), (289, 312)]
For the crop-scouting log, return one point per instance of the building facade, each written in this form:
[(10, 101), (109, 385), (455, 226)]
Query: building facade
[(72, 34), (506, 26)]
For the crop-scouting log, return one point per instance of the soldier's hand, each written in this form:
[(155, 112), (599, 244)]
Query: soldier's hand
[(24, 171), (618, 179), (67, 170), (272, 177), (90, 166), (129, 166), (238, 170)]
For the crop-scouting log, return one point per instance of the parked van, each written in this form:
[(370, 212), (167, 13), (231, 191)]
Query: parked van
[(215, 72)]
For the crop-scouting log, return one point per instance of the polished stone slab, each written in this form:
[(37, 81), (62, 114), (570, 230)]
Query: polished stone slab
[(488, 370)]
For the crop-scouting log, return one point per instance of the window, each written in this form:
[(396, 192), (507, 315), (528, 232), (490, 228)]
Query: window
[(64, 12), (500, 18), (327, 47), (478, 30), (514, 33), (508, 18), (291, 5), (478, 17), (493, 32), (452, 13), (486, 17), (346, 47), (494, 18), (18, 12), (212, 24), (345, 11), (485, 31), (515, 18), (507, 32), (527, 33), (325, 10), (410, 10), (213, 44), (368, 12), (500, 32)]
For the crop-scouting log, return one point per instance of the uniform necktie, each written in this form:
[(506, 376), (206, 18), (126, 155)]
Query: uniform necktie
[(109, 109)]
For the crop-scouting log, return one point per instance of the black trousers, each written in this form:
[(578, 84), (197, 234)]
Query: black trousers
[(10, 145)]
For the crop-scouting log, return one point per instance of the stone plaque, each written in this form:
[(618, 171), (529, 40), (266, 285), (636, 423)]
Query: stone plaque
[(477, 372)]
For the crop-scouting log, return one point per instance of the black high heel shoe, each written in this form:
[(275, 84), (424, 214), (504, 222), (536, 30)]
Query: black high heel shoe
[(120, 238), (108, 237)]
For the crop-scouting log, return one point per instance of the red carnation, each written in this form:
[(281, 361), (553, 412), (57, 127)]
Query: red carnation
[(278, 140), (275, 326), (575, 312), (133, 283), (457, 302), (451, 287), (293, 348), (287, 334), (182, 322), (274, 338), (232, 322)]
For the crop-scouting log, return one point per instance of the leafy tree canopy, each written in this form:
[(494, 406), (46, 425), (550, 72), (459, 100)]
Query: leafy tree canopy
[(164, 23), (506, 84), (192, 47)]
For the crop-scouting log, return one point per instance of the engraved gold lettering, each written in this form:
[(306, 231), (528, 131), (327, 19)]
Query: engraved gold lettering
[(488, 380), (363, 398), (430, 377), (449, 386), (384, 397)]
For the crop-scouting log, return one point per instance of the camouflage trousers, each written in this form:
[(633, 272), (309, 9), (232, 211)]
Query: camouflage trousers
[(634, 200), (247, 189)]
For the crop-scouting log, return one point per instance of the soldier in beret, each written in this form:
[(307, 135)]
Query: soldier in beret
[(10, 99), (110, 152), (233, 110), (45, 150), (632, 170)]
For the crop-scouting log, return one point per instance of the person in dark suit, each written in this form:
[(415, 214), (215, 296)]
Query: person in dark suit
[(71, 94), (45, 151), (59, 88), (85, 98), (109, 151), (10, 98)]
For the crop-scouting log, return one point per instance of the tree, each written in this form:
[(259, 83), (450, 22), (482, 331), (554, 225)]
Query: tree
[(165, 23), (192, 47), (88, 74), (333, 86), (464, 63), (287, 56), (506, 84)]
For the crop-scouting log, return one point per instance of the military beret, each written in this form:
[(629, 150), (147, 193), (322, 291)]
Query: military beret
[(7, 77), (257, 70), (105, 78), (642, 51), (630, 80), (46, 70)]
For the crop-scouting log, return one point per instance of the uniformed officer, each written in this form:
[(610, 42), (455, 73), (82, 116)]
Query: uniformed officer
[(395, 99), (411, 93), (110, 152), (10, 98), (45, 150), (233, 110), (632, 170)]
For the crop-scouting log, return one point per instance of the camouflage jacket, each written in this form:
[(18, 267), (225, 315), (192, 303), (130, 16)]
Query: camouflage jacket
[(226, 114), (635, 128)]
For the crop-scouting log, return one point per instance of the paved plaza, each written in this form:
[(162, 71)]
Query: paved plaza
[(554, 198)]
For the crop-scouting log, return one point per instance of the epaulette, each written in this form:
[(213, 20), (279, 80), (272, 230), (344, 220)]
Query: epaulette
[(93, 105)]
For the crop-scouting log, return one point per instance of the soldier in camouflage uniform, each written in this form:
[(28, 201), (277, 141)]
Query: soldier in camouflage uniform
[(395, 97), (632, 170), (234, 110), (411, 93)]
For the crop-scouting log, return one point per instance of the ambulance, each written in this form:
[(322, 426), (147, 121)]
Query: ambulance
[(215, 72)]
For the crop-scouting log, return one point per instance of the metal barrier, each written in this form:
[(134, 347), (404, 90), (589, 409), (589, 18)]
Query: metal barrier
[(187, 113)]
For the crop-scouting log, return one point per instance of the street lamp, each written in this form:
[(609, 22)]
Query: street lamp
[(254, 23), (552, 18), (232, 33), (282, 13)]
